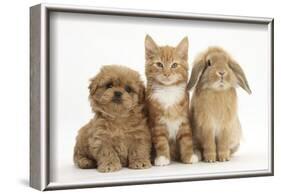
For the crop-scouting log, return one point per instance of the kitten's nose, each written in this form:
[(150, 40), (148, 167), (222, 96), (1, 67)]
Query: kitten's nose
[(117, 94), (166, 74)]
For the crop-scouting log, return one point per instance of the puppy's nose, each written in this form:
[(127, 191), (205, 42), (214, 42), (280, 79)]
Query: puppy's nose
[(117, 94)]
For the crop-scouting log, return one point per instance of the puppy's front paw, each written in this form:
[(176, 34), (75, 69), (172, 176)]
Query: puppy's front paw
[(223, 156), (109, 166), (162, 161), (85, 163), (210, 157), (140, 164)]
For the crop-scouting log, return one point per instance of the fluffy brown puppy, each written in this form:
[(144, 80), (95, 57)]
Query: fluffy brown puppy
[(118, 134)]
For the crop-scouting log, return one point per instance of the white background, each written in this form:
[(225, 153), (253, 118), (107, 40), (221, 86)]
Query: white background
[(14, 103), (82, 43)]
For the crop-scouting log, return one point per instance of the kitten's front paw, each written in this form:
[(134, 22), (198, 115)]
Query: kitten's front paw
[(109, 166), (190, 159), (140, 164), (223, 156), (210, 157), (161, 161)]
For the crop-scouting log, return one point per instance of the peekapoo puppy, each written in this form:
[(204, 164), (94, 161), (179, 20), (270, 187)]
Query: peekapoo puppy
[(118, 134)]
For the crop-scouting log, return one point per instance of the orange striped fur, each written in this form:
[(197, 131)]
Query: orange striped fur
[(168, 101)]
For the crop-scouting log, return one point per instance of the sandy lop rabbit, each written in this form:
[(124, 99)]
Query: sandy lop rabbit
[(214, 117)]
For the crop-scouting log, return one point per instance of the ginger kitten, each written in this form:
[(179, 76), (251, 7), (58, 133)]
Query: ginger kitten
[(166, 70)]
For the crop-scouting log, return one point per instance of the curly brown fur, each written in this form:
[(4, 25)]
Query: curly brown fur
[(118, 134), (214, 117), (168, 102)]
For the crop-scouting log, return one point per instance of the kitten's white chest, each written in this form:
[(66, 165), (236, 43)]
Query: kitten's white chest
[(172, 126), (168, 95)]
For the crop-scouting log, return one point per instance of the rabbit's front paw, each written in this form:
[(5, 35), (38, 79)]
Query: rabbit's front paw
[(210, 157), (223, 156)]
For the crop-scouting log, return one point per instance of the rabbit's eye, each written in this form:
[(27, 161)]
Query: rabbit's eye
[(209, 63), (159, 65), (174, 65)]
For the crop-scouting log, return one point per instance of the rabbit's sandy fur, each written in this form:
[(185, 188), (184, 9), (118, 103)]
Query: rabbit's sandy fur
[(214, 118)]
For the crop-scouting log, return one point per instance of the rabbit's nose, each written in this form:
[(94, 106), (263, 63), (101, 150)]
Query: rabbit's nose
[(221, 73)]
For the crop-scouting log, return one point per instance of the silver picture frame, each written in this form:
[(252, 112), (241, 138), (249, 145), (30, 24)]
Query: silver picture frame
[(40, 90)]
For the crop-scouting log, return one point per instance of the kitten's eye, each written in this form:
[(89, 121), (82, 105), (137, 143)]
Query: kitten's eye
[(109, 85), (128, 89), (174, 65), (159, 65), (209, 63)]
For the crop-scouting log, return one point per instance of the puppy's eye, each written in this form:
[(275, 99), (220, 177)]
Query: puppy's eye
[(209, 63), (128, 89), (109, 85), (174, 65), (159, 65)]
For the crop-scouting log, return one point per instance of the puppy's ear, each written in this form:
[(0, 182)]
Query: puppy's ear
[(240, 75), (93, 85), (151, 48), (197, 70), (141, 93), (182, 49)]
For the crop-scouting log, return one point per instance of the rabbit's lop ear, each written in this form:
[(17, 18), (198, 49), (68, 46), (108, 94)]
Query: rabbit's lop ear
[(197, 70), (240, 75)]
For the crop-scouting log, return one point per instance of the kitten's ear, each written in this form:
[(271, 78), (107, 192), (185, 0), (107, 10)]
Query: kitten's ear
[(151, 48), (182, 49)]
